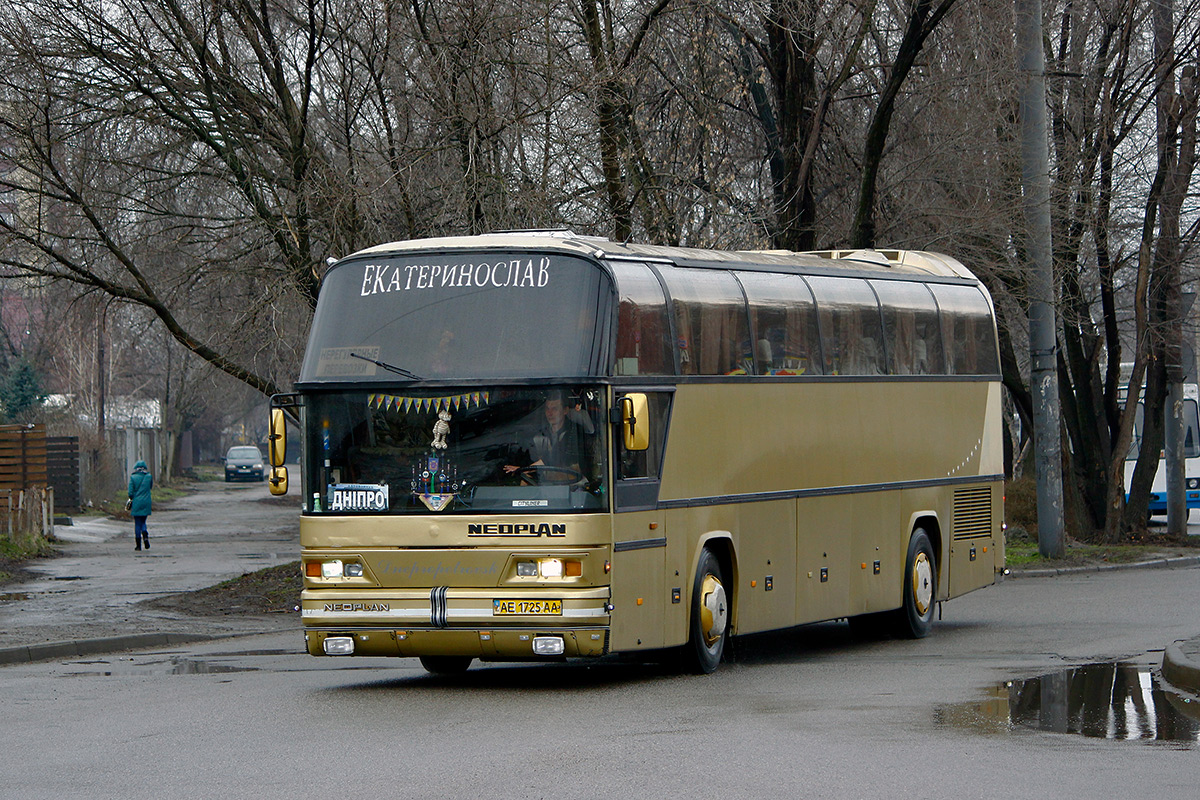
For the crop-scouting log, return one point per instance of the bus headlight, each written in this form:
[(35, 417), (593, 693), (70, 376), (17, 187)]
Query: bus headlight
[(331, 569), (557, 568), (527, 569), (1193, 483), (353, 570), (338, 645), (546, 645)]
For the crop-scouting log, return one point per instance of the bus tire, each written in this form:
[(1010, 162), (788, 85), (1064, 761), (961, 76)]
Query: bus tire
[(446, 665), (914, 619), (709, 625)]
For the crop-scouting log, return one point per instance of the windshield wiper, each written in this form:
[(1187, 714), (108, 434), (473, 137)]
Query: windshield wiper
[(389, 367)]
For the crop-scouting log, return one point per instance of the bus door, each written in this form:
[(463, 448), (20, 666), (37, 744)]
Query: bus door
[(641, 597)]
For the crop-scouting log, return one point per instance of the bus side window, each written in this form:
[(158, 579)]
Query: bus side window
[(710, 322), (643, 331), (1191, 442), (851, 332), (785, 324), (970, 335), (911, 328)]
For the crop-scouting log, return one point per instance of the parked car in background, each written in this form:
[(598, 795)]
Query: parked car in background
[(244, 463)]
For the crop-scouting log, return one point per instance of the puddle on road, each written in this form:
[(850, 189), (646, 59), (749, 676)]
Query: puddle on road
[(1103, 701)]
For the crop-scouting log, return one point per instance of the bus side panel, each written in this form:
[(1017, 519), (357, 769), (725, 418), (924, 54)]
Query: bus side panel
[(976, 542), (765, 537), (728, 439), (879, 548), (826, 535), (638, 595), (763, 586)]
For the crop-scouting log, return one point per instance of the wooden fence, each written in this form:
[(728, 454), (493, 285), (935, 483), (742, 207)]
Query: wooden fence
[(63, 472), (22, 456), (26, 501), (27, 514)]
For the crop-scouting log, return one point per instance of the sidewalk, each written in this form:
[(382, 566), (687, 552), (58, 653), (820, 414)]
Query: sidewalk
[(88, 600)]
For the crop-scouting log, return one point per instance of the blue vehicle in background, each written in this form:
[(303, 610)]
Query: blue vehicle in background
[(1191, 448)]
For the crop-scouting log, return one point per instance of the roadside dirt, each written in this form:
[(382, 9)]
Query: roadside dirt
[(267, 591)]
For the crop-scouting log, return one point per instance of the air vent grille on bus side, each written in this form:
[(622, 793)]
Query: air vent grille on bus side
[(972, 513)]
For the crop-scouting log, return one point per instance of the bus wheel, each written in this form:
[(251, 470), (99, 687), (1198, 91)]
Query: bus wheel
[(446, 665), (915, 617), (710, 616)]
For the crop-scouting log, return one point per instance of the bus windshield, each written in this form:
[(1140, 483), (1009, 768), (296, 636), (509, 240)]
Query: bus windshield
[(466, 316), (480, 450)]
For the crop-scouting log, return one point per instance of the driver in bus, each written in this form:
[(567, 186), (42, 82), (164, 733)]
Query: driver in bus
[(560, 439)]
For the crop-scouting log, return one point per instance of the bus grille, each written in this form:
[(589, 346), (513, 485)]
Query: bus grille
[(972, 513)]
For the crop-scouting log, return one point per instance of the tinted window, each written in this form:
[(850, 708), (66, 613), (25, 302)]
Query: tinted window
[(711, 330), (911, 327), (851, 331), (785, 324), (643, 331), (467, 315), (514, 450), (969, 331)]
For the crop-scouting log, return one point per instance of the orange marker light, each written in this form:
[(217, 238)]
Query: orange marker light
[(639, 601), (312, 569), (572, 569), (753, 584)]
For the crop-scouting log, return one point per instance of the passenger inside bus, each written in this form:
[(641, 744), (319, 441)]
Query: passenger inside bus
[(560, 450)]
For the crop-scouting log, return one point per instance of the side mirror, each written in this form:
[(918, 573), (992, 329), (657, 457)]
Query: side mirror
[(635, 421), (278, 482), (277, 440)]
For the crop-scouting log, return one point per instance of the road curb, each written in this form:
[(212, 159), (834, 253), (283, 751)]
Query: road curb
[(86, 647), (1179, 669), (1161, 563)]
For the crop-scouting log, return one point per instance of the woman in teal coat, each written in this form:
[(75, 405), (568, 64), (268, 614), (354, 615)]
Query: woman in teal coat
[(140, 484)]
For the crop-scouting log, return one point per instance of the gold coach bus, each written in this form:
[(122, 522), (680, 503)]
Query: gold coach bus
[(543, 445)]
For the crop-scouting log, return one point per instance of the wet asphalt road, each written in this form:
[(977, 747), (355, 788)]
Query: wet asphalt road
[(808, 713)]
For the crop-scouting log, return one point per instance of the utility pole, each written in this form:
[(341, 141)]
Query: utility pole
[(1174, 425), (1043, 325), (101, 372)]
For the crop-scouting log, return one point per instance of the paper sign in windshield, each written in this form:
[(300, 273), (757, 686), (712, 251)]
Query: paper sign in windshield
[(358, 497), (338, 362)]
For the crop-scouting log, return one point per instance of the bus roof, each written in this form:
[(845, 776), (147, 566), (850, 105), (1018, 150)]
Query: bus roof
[(908, 263)]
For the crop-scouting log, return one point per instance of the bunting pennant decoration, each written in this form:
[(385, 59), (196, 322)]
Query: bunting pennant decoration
[(452, 402)]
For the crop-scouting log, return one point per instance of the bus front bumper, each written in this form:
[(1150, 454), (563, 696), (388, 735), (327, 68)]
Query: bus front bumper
[(499, 645), (488, 624)]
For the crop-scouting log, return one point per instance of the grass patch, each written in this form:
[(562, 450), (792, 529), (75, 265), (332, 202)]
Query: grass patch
[(13, 554), (1022, 552), (206, 473)]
